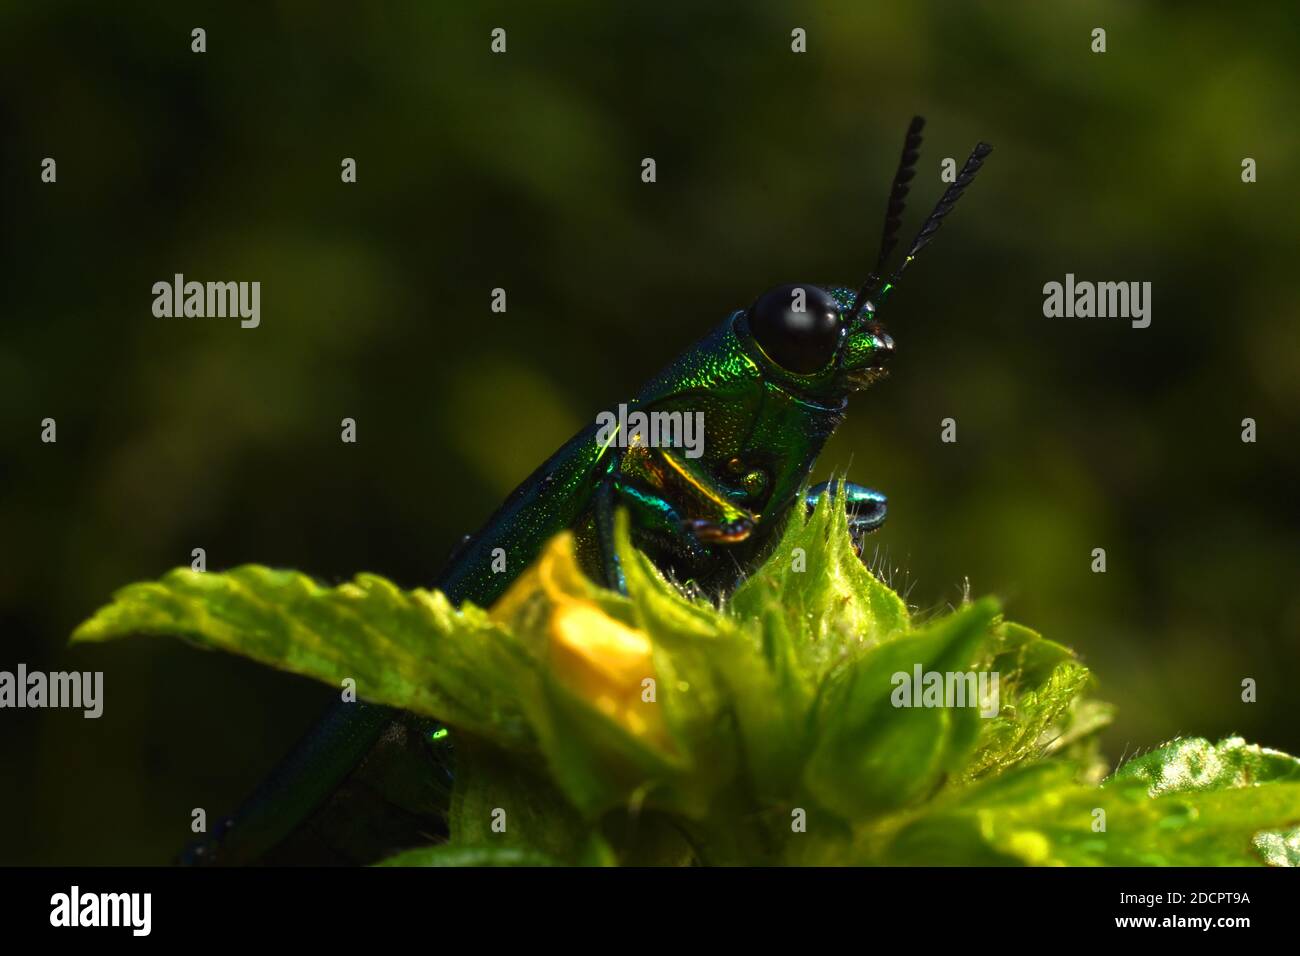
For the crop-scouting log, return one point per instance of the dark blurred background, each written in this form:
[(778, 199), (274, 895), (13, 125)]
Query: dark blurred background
[(523, 171)]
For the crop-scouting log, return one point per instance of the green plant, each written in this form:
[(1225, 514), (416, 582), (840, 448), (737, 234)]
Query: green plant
[(659, 728)]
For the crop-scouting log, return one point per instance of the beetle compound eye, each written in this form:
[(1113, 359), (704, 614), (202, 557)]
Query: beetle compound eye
[(796, 326)]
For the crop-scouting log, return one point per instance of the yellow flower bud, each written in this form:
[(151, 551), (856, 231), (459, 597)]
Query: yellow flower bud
[(604, 661), (595, 656)]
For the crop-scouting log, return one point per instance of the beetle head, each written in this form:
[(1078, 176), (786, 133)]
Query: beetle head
[(812, 335), (826, 341)]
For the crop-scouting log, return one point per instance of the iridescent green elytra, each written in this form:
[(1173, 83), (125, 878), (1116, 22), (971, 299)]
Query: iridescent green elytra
[(772, 382)]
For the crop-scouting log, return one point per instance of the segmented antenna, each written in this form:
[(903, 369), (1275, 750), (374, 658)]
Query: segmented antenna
[(942, 208), (894, 211), (898, 192)]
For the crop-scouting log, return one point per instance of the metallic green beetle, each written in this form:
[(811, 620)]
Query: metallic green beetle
[(772, 384)]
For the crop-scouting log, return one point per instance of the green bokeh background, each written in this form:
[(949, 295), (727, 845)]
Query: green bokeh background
[(523, 171)]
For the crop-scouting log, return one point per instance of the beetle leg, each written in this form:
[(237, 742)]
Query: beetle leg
[(706, 513), (650, 512), (654, 514), (721, 532), (866, 508), (605, 535)]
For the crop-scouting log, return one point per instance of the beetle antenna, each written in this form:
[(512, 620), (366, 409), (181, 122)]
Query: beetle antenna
[(894, 211), (898, 192), (941, 209)]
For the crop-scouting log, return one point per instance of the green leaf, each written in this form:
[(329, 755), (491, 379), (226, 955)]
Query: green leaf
[(447, 855), (1041, 684), (1040, 815), (600, 765), (873, 755), (1193, 763), (688, 635), (1026, 659), (730, 696), (1029, 722), (1279, 847), (1077, 739), (834, 608), (408, 649), (491, 788)]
